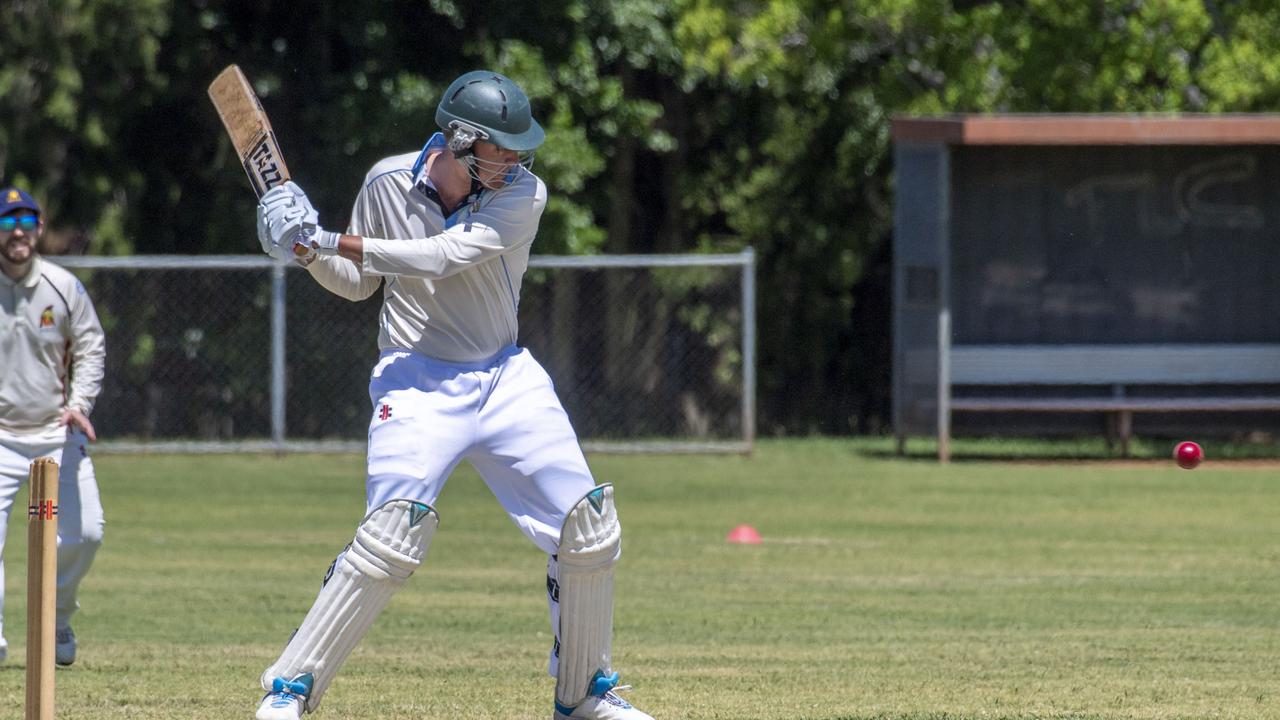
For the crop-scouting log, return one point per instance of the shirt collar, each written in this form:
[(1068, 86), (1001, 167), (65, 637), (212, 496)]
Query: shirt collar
[(422, 182), (434, 143)]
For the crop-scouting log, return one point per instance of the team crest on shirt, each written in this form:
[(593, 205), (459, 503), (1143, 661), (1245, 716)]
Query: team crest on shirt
[(46, 318)]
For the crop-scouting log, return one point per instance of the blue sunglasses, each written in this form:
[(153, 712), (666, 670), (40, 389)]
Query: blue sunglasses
[(26, 222)]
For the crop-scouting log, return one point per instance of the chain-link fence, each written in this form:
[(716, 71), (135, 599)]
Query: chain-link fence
[(215, 354)]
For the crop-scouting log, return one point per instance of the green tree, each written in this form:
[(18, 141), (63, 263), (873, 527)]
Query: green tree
[(75, 77), (693, 125)]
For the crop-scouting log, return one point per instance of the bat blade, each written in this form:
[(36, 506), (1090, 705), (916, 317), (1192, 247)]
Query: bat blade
[(249, 129)]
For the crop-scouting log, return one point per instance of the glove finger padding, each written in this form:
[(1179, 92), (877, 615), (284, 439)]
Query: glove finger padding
[(284, 226), (300, 206), (279, 195), (264, 233), (301, 200), (274, 208)]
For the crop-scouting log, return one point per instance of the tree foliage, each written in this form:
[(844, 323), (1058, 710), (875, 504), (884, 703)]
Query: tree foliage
[(691, 125)]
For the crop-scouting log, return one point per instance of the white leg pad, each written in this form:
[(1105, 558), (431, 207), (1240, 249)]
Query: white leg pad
[(590, 544), (389, 545)]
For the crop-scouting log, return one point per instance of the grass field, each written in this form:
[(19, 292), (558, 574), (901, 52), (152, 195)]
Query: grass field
[(885, 588)]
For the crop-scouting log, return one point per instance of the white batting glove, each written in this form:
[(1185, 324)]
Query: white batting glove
[(281, 225), (273, 210), (320, 241), (288, 226), (312, 237)]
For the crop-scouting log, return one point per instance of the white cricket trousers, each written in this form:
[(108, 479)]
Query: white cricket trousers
[(80, 519), (502, 415)]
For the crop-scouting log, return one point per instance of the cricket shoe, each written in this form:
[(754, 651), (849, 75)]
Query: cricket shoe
[(287, 699), (64, 646), (4, 650), (603, 703)]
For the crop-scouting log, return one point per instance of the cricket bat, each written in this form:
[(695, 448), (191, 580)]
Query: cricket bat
[(250, 130)]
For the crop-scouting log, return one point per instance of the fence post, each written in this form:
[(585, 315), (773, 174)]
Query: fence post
[(278, 356), (749, 347)]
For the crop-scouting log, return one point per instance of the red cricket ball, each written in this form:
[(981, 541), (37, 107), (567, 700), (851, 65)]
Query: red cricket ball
[(1188, 455)]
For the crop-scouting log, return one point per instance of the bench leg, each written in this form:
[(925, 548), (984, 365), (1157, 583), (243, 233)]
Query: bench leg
[(900, 444), (1126, 431), (1112, 431)]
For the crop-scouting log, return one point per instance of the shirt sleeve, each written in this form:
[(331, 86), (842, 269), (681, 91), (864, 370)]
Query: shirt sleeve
[(88, 352), (339, 275), (508, 220), (343, 278)]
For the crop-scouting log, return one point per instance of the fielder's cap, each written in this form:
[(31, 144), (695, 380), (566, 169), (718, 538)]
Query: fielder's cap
[(14, 199)]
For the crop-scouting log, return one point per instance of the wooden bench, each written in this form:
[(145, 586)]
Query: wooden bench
[(1187, 371)]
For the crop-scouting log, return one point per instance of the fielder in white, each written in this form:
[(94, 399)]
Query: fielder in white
[(52, 353), (446, 233)]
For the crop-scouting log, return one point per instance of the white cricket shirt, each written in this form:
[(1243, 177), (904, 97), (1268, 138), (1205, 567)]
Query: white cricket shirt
[(452, 281), (52, 351)]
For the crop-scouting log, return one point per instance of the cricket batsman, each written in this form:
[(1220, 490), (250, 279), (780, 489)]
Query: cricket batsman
[(446, 233)]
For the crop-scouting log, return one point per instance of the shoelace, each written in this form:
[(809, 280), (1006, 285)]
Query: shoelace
[(281, 698), (616, 699)]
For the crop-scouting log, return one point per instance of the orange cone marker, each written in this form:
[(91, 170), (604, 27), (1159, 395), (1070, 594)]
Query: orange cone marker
[(744, 535)]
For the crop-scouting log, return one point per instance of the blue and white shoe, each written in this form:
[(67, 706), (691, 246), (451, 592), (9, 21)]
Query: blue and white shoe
[(4, 649), (603, 704), (286, 701), (64, 647)]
